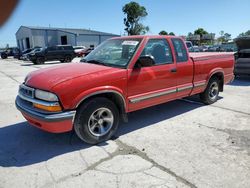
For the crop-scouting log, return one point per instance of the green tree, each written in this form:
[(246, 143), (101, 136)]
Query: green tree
[(134, 14), (224, 37), (172, 33), (190, 34), (227, 37), (200, 32), (222, 33), (163, 32), (247, 33)]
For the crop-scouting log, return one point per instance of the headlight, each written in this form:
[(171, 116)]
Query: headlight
[(44, 95)]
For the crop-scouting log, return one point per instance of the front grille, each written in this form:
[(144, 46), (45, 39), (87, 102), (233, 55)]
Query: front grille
[(26, 91)]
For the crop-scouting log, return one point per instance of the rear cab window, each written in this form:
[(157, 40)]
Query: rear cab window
[(160, 50), (180, 50)]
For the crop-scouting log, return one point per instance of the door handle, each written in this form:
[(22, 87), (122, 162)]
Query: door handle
[(173, 70)]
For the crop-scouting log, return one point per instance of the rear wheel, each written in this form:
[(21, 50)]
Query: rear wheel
[(211, 94), (67, 59), (96, 120)]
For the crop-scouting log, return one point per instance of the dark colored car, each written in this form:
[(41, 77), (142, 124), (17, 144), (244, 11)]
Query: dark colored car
[(242, 56), (63, 53), (9, 52)]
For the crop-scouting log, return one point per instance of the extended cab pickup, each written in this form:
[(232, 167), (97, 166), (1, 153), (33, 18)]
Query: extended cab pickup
[(121, 75)]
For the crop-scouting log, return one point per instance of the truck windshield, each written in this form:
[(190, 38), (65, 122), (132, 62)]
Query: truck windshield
[(114, 52)]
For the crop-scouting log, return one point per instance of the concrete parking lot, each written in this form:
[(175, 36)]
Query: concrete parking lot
[(178, 144)]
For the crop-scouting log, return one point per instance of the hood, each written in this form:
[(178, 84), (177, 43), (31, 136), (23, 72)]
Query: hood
[(243, 43), (47, 78)]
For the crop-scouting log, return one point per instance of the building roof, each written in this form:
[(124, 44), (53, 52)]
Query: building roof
[(71, 30)]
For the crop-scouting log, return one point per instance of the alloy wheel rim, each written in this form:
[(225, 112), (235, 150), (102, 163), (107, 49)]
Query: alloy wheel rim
[(213, 91), (100, 122)]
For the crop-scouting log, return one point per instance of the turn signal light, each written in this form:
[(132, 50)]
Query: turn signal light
[(48, 108)]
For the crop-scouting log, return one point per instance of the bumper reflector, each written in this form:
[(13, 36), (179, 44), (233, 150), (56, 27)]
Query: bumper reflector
[(48, 108)]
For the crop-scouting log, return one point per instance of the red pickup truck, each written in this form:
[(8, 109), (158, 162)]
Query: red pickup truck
[(121, 75)]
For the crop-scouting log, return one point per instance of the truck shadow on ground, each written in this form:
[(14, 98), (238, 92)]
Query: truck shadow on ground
[(22, 144), (241, 81)]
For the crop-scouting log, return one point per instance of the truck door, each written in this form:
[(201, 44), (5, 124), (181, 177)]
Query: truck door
[(184, 64), (155, 84)]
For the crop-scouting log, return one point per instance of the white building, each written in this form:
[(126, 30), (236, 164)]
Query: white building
[(29, 37)]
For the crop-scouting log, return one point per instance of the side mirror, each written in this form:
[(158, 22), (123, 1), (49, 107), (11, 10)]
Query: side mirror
[(145, 61)]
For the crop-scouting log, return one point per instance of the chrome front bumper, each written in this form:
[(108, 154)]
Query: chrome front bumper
[(51, 117)]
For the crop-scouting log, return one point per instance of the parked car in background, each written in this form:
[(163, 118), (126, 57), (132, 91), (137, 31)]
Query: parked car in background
[(196, 49), (122, 75), (229, 47), (26, 55), (214, 48), (189, 45), (9, 52), (19, 54), (79, 50), (204, 48), (87, 51), (242, 56), (63, 53)]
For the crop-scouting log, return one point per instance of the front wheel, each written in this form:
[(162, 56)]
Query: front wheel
[(211, 94), (39, 61), (96, 120)]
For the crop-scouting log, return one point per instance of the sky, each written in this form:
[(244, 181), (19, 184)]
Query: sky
[(178, 16)]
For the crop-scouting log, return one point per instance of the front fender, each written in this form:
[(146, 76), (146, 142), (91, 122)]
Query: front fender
[(98, 90)]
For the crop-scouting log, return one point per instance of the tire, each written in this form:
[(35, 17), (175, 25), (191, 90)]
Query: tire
[(67, 59), (96, 120), (211, 94), (4, 55), (39, 61)]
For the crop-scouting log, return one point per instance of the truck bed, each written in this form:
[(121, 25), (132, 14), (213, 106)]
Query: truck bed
[(199, 56), (206, 63)]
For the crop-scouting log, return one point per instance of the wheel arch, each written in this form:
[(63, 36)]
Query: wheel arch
[(112, 95), (219, 74)]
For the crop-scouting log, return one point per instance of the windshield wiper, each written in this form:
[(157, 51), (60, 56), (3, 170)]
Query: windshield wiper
[(98, 62), (94, 61)]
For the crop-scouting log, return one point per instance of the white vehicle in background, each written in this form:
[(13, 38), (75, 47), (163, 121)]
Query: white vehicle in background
[(79, 50), (196, 49), (190, 46)]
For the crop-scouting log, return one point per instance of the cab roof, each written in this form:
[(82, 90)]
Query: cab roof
[(146, 37)]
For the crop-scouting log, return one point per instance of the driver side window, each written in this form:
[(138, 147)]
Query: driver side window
[(160, 50)]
